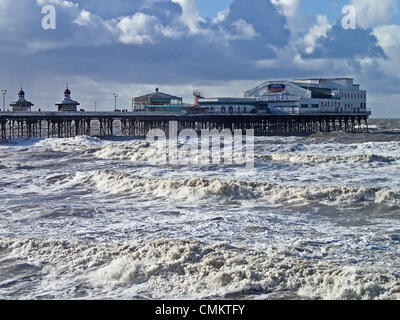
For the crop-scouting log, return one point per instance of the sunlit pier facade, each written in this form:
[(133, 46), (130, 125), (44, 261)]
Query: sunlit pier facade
[(301, 97), (305, 96)]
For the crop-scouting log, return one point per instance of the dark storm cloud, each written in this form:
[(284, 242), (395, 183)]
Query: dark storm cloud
[(347, 44)]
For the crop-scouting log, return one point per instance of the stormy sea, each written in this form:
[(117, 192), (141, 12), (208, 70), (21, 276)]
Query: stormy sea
[(318, 217)]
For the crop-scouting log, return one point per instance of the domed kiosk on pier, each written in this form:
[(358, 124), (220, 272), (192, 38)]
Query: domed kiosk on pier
[(67, 105), (21, 105)]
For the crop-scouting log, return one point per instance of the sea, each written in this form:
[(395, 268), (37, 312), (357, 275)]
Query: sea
[(316, 218)]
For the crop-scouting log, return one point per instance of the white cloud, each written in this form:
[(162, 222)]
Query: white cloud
[(318, 31), (61, 3), (84, 18), (137, 29), (190, 15), (371, 13), (297, 21), (221, 16), (389, 39), (244, 30), (290, 8)]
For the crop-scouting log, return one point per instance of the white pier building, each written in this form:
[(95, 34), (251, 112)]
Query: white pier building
[(302, 96)]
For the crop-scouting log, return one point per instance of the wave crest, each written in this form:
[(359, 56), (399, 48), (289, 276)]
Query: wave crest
[(203, 189), (320, 159)]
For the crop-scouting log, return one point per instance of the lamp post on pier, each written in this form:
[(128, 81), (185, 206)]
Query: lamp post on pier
[(115, 97), (4, 92)]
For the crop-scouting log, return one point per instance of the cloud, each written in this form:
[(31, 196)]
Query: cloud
[(190, 15), (371, 13), (137, 29), (346, 44), (318, 31), (244, 30), (143, 44), (389, 39), (297, 21)]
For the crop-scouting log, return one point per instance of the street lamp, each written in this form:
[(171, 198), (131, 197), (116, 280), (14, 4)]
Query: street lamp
[(115, 97), (4, 92)]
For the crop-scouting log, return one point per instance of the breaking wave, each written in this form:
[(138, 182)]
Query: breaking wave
[(151, 153), (80, 144), (204, 189), (182, 269), (133, 151), (320, 159), (14, 166)]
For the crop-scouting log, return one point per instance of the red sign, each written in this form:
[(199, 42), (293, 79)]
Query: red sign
[(276, 88)]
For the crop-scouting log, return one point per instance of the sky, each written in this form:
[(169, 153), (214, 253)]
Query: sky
[(223, 48), (210, 8)]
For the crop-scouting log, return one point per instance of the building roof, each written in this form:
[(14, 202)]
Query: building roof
[(316, 79), (229, 100), (21, 103), (159, 96), (68, 102)]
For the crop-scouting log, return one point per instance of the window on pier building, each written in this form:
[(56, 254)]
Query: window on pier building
[(230, 109), (315, 106), (223, 109), (304, 106)]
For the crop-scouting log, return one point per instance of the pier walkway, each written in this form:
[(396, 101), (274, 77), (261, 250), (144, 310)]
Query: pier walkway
[(137, 124)]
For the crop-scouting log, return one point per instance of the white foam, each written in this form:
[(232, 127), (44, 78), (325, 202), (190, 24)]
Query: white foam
[(205, 189), (341, 200), (190, 269), (326, 159), (70, 145)]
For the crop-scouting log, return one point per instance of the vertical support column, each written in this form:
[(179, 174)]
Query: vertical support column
[(88, 128), (77, 126)]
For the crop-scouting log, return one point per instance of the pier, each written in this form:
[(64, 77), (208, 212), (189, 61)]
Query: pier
[(137, 124)]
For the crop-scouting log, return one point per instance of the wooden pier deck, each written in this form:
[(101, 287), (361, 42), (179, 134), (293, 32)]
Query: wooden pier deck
[(137, 124)]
